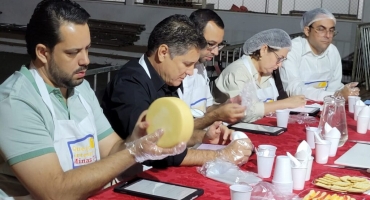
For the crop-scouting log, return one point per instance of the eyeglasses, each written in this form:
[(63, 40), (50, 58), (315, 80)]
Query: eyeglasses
[(213, 46), (322, 31), (279, 59)]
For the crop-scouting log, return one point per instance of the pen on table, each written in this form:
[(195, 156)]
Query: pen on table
[(349, 167), (360, 141)]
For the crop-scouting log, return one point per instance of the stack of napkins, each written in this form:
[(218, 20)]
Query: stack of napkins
[(303, 153)]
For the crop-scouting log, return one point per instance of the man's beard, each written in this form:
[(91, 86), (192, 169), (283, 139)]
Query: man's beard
[(61, 79)]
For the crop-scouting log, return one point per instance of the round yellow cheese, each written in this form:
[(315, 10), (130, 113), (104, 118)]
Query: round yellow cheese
[(173, 116)]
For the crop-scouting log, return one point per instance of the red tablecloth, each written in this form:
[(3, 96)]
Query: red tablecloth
[(286, 142)]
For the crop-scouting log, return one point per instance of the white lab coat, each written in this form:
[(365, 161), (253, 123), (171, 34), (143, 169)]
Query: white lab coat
[(314, 76)]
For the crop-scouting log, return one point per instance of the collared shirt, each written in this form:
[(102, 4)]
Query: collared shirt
[(304, 66), (26, 124), (131, 92), (196, 91), (232, 81)]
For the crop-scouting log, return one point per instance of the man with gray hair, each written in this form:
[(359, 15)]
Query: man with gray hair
[(314, 67), (173, 49)]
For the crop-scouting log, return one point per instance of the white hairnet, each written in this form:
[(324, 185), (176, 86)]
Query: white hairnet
[(315, 15), (274, 38)]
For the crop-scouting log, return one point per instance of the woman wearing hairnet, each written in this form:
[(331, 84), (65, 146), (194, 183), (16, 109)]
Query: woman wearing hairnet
[(251, 75)]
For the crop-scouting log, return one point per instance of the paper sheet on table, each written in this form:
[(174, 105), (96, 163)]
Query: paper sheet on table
[(233, 176), (307, 109), (211, 146)]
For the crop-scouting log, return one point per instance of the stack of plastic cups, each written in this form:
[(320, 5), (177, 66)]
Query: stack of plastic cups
[(282, 179), (265, 160)]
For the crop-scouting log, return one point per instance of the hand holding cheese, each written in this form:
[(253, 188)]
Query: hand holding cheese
[(145, 148), (173, 116), (237, 152)]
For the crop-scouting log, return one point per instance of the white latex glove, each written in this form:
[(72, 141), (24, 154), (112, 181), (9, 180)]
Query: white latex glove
[(237, 152), (146, 148)]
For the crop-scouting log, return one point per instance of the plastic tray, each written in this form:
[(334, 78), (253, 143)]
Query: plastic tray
[(338, 175), (302, 194)]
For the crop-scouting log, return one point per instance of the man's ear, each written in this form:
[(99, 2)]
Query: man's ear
[(306, 31), (42, 53), (162, 52)]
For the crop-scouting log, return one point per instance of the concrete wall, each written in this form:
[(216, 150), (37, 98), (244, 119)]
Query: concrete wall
[(239, 26)]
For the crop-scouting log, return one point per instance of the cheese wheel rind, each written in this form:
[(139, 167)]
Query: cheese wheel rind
[(173, 116)]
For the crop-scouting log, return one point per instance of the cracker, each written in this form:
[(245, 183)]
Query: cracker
[(323, 185), (361, 185), (344, 178), (329, 176), (356, 190), (342, 184), (356, 179), (337, 187), (324, 181)]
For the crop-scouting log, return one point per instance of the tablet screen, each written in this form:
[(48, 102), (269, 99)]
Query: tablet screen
[(257, 127), (160, 189)]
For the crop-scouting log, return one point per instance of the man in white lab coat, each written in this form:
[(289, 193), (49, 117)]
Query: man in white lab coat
[(314, 67), (196, 91)]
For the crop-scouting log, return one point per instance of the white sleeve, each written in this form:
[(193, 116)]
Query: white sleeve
[(209, 96), (336, 82), (292, 80)]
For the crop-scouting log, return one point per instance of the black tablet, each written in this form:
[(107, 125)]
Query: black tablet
[(312, 111), (158, 190), (258, 128)]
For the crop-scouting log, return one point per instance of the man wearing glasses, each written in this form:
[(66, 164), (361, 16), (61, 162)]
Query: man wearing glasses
[(314, 66), (196, 91)]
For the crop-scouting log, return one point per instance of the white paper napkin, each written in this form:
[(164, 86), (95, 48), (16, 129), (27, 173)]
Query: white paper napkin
[(333, 133)]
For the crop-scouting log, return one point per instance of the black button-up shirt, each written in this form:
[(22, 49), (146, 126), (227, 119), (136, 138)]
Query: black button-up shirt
[(129, 94)]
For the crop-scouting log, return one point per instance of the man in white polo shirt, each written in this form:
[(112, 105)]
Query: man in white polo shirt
[(196, 91)]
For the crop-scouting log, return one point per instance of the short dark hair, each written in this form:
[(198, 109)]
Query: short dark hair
[(201, 17), (48, 16), (178, 33)]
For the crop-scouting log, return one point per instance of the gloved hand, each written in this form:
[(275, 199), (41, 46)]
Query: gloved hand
[(237, 152), (349, 89), (146, 148)]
